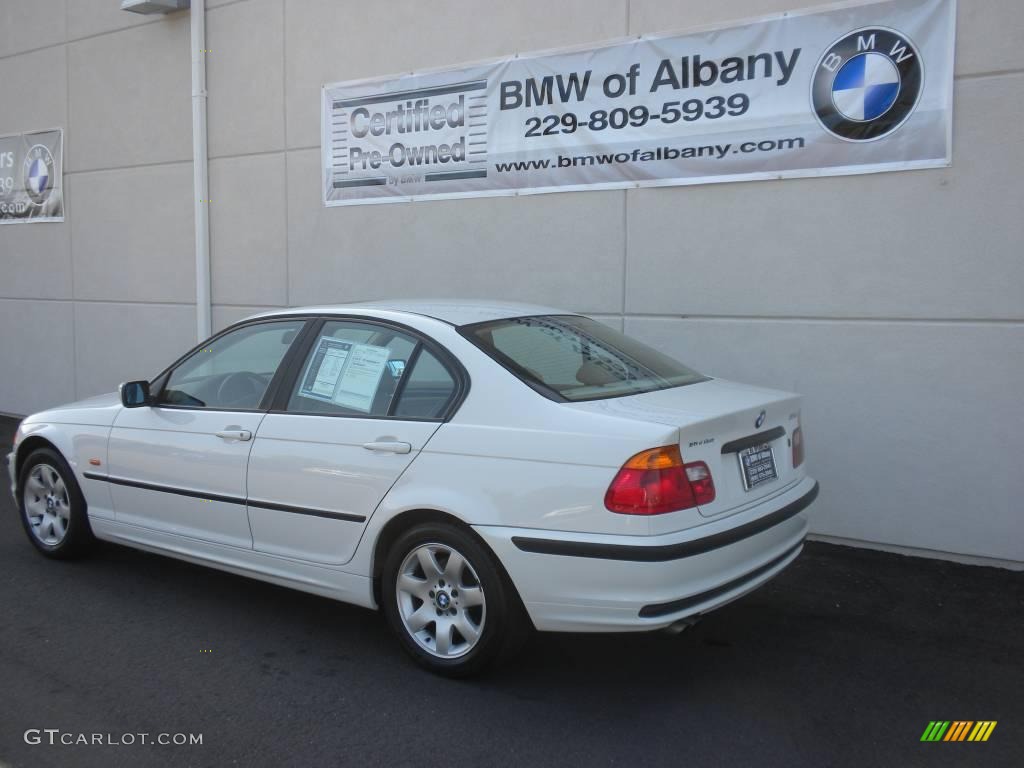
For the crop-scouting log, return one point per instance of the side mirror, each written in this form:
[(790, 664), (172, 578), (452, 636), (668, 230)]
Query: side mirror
[(135, 394)]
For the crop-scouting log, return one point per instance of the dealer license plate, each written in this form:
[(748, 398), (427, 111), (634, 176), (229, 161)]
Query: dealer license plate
[(758, 465)]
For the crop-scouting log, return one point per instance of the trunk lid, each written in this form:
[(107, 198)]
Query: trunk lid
[(717, 421)]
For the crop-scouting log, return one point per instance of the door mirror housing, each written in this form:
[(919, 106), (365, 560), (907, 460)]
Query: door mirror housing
[(135, 394)]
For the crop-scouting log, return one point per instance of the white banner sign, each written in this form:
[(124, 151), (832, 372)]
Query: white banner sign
[(853, 88), (31, 174)]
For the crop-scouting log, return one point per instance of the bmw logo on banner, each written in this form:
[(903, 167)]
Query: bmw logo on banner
[(38, 174), (867, 84)]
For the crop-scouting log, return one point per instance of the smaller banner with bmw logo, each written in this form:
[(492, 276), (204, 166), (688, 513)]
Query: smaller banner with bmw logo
[(31, 173), (848, 88)]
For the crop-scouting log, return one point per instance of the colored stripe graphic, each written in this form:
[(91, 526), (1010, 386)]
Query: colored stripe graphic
[(982, 730), (958, 730)]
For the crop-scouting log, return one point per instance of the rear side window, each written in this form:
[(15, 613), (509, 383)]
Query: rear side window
[(576, 358), (362, 369), (428, 389)]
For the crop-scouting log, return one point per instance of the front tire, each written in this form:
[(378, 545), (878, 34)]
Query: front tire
[(448, 601), (52, 506)]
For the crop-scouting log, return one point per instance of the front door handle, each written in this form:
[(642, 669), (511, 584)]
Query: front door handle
[(234, 434), (388, 446)]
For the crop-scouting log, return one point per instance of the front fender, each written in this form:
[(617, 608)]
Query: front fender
[(79, 444)]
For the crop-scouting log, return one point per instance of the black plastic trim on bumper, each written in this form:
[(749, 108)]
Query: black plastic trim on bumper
[(735, 446), (227, 499), (663, 609), (665, 552)]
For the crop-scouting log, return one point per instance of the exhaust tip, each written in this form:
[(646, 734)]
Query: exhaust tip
[(677, 627)]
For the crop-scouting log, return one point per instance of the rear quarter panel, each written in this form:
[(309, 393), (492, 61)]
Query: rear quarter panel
[(549, 472)]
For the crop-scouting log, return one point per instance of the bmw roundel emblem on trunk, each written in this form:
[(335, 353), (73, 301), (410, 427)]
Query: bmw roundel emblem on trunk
[(760, 420), (867, 84)]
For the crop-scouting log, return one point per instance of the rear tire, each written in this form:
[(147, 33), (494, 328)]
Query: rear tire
[(449, 602), (52, 507)]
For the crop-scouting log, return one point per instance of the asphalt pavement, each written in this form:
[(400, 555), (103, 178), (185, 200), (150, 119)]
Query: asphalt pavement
[(842, 660)]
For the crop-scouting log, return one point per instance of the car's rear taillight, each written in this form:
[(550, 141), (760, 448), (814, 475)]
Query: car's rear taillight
[(703, 486), (798, 447), (657, 481)]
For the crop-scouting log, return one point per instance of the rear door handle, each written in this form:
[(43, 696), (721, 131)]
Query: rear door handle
[(234, 434), (388, 446)]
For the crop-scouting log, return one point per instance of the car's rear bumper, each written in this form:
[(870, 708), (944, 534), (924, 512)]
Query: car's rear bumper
[(588, 583)]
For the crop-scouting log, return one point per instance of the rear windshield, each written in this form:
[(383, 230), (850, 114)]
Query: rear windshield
[(577, 358)]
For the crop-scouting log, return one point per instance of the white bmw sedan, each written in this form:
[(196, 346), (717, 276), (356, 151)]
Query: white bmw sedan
[(474, 469)]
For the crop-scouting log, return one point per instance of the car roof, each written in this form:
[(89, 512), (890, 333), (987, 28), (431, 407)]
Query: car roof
[(453, 311)]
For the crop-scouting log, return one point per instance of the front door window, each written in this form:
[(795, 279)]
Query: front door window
[(233, 371)]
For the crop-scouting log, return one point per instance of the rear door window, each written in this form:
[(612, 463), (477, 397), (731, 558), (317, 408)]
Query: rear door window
[(352, 369)]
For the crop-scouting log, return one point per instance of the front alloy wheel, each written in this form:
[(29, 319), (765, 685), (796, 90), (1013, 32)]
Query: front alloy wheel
[(47, 505), (53, 509)]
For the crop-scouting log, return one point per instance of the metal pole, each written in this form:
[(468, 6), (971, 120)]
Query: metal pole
[(200, 170)]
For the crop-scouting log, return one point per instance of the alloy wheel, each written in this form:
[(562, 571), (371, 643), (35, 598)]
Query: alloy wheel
[(47, 505), (440, 600)]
